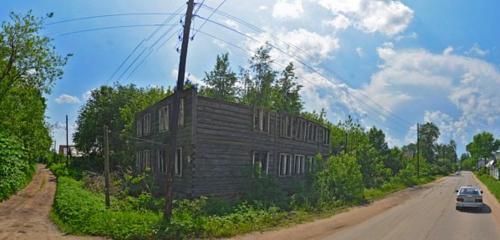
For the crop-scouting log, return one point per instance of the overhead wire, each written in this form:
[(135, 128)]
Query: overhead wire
[(260, 30), (179, 9), (109, 27), (281, 65), (109, 15)]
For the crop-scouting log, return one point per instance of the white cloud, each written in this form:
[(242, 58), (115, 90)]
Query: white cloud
[(412, 35), (389, 17), (420, 80), (448, 50), (360, 51), (475, 50), (263, 7), (340, 22), (67, 99), (288, 9), (300, 43)]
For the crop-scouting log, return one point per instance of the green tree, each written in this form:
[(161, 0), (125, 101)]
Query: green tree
[(27, 59), (221, 81), (376, 137), (286, 94), (482, 145), (341, 179), (429, 134), (29, 66), (258, 81), (115, 107)]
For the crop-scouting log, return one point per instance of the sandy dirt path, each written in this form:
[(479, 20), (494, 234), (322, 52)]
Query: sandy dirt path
[(26, 214), (426, 212)]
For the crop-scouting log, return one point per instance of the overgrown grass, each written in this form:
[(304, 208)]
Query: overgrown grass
[(491, 183), (84, 212), (16, 171), (395, 185)]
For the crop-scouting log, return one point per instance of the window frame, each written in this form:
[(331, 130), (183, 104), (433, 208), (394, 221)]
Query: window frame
[(146, 125), (182, 112), (258, 154), (164, 118), (178, 162), (139, 127), (299, 164)]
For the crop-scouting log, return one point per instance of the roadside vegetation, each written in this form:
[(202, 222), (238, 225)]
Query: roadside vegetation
[(15, 169), (490, 182), (29, 66)]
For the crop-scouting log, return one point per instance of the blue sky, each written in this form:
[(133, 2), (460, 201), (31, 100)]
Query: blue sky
[(389, 63)]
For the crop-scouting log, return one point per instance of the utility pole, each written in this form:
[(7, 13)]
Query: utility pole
[(418, 149), (175, 112), (106, 164), (68, 150)]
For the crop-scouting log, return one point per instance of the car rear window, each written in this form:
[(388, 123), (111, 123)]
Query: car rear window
[(469, 191)]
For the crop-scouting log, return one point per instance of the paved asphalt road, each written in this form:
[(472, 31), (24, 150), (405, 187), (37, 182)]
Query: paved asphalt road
[(430, 215)]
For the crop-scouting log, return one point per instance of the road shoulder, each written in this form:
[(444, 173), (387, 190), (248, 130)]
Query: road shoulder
[(324, 227)]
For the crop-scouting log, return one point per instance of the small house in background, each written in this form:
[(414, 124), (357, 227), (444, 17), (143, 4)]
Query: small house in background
[(63, 150), (218, 143), (492, 165)]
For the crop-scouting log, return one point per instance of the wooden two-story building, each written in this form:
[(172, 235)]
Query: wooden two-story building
[(219, 142)]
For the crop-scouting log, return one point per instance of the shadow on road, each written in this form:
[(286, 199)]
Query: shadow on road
[(484, 210)]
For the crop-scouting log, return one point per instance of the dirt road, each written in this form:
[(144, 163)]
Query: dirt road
[(426, 212), (26, 214)]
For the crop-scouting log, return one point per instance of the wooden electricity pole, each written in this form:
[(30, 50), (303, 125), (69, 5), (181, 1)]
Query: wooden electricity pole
[(68, 150), (106, 164), (175, 112), (418, 149)]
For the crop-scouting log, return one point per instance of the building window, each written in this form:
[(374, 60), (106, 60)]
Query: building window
[(285, 164), (304, 130), (147, 160), (261, 161), (181, 113), (262, 120), (310, 164), (138, 160), (326, 136), (139, 127), (286, 126), (161, 167), (147, 124), (298, 129), (163, 118), (178, 162), (299, 164)]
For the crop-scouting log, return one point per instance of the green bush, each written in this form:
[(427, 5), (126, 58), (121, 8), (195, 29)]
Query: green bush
[(84, 212), (340, 180), (490, 182), (15, 169)]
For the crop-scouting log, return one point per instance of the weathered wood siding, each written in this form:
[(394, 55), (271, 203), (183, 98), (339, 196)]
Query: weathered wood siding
[(159, 141), (220, 138), (225, 141)]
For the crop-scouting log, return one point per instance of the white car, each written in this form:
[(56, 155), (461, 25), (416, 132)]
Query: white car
[(469, 197)]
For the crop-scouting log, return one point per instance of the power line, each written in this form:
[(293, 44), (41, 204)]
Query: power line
[(206, 20), (386, 113), (257, 29), (176, 12), (110, 27), (281, 65), (151, 50), (109, 15)]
